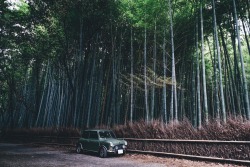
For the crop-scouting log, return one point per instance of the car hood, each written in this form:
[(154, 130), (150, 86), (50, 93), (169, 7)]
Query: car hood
[(114, 141)]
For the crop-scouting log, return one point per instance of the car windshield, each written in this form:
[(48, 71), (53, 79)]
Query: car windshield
[(107, 134)]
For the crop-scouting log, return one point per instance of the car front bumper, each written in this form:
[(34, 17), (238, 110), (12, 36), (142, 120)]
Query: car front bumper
[(118, 150)]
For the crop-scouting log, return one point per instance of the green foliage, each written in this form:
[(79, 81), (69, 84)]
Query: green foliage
[(70, 36), (141, 13)]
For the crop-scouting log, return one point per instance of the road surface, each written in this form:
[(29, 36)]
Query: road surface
[(18, 155)]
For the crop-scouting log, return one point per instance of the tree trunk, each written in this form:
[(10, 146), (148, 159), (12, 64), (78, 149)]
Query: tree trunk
[(91, 91), (174, 91), (219, 64), (164, 115), (246, 97), (154, 77), (198, 78), (131, 77), (203, 65), (145, 76)]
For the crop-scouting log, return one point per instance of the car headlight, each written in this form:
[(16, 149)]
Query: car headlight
[(125, 143), (111, 144)]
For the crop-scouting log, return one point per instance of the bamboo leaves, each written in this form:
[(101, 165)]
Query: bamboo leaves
[(90, 63)]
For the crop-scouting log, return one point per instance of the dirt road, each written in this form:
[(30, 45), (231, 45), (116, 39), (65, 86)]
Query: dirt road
[(12, 155), (18, 155)]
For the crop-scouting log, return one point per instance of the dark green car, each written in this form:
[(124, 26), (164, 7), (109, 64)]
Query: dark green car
[(103, 142)]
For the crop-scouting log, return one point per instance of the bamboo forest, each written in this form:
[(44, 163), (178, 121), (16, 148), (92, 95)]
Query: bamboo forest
[(87, 63)]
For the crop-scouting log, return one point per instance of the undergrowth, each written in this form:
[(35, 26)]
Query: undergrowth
[(234, 129), (60, 132)]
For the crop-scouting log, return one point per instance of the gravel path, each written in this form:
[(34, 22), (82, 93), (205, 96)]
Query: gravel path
[(12, 155), (18, 155)]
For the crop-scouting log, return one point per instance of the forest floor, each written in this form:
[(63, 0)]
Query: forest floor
[(174, 162), (33, 155)]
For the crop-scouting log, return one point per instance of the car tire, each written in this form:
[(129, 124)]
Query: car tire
[(78, 149), (103, 152)]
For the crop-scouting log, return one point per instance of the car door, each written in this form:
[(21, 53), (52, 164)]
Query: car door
[(85, 140), (93, 144)]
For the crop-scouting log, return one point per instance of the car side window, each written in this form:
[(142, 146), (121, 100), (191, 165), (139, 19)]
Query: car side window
[(85, 135), (102, 135), (93, 135), (106, 134)]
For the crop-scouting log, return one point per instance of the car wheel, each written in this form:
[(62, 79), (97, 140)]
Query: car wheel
[(103, 152), (78, 149)]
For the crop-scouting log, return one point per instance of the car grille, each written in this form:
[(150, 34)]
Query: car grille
[(118, 146)]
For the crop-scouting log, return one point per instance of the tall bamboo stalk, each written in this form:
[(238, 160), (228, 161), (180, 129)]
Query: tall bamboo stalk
[(174, 91), (154, 76), (164, 91), (246, 97), (198, 78), (219, 64), (203, 65), (145, 75), (131, 76)]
